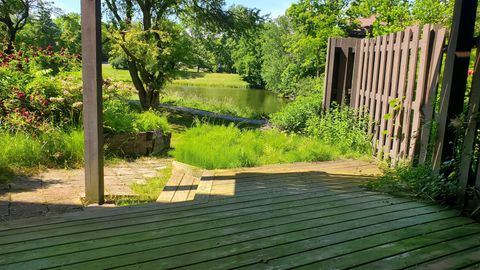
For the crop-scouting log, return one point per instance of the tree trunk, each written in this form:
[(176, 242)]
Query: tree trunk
[(11, 39)]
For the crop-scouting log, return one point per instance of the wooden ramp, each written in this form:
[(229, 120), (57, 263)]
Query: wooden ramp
[(307, 216)]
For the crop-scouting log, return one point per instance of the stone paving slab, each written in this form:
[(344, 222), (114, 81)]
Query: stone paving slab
[(59, 191)]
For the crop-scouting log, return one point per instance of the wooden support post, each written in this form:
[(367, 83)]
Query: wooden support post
[(92, 100), (454, 78)]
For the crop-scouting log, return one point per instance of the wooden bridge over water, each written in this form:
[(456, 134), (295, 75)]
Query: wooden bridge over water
[(306, 215)]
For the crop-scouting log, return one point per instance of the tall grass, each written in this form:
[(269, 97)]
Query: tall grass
[(22, 152), (215, 147)]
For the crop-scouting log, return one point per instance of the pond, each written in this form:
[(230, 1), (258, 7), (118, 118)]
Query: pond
[(259, 101)]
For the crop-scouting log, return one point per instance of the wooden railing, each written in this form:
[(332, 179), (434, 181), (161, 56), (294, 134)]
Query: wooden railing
[(394, 79)]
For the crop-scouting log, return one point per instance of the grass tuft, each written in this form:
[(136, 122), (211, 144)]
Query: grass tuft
[(218, 147)]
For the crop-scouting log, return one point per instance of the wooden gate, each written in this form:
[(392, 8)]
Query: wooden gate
[(395, 80)]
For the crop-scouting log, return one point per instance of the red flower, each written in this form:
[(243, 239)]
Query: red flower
[(44, 102), (21, 95), (471, 72)]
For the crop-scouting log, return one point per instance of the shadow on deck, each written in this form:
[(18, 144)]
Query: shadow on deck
[(310, 215)]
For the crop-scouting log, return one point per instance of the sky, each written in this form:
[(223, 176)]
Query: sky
[(273, 7)]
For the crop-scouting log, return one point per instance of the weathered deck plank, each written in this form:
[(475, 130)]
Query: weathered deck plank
[(276, 217)]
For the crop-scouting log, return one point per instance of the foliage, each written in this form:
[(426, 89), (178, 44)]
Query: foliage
[(53, 148), (13, 18), (418, 181), (214, 147), (118, 62), (118, 117), (313, 23), (31, 98), (295, 115), (148, 33), (70, 32), (393, 16), (274, 55), (248, 61), (342, 128), (40, 31), (150, 120)]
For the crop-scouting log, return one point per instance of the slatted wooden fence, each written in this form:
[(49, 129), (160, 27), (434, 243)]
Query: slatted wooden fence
[(394, 80)]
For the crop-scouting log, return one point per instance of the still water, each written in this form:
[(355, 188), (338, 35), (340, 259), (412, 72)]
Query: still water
[(259, 101)]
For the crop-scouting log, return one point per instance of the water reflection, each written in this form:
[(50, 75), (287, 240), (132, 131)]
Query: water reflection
[(259, 101)]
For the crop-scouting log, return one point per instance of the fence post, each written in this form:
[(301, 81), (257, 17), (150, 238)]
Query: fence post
[(470, 133), (92, 100), (454, 78), (329, 73)]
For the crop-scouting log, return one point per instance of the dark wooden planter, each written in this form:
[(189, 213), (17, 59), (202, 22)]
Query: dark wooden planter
[(139, 144)]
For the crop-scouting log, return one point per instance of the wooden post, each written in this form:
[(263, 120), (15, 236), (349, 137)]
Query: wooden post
[(454, 78), (92, 100)]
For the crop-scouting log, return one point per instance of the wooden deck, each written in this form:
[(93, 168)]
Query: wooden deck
[(308, 216)]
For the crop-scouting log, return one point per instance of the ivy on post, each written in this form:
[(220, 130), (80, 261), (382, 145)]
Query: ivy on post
[(92, 100)]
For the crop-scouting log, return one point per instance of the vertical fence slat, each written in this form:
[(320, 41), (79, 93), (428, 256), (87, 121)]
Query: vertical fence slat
[(431, 92), (386, 94), (359, 74), (396, 68), (401, 92), (374, 88), (329, 77), (368, 87), (412, 71), (380, 93), (355, 76), (363, 83), (422, 84)]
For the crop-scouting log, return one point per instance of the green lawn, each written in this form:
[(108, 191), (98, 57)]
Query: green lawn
[(190, 78)]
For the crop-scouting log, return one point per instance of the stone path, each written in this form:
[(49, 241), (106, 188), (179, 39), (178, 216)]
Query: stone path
[(59, 191)]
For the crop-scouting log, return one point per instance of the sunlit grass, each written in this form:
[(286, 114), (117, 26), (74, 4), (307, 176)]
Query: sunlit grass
[(188, 77), (216, 147)]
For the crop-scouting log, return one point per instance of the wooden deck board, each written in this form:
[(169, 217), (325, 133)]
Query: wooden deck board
[(307, 215)]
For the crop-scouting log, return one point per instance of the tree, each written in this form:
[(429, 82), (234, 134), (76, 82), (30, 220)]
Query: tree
[(313, 22), (275, 57), (70, 32), (390, 15), (433, 11), (248, 61), (147, 32), (40, 30), (14, 15)]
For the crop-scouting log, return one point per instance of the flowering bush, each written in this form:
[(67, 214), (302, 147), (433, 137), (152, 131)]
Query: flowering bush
[(39, 59), (38, 91)]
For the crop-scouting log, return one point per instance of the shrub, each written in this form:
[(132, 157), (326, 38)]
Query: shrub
[(418, 181), (118, 62), (150, 120), (294, 116), (118, 117), (214, 147), (343, 128)]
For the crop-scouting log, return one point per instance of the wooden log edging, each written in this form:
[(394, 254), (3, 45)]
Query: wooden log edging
[(209, 114)]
